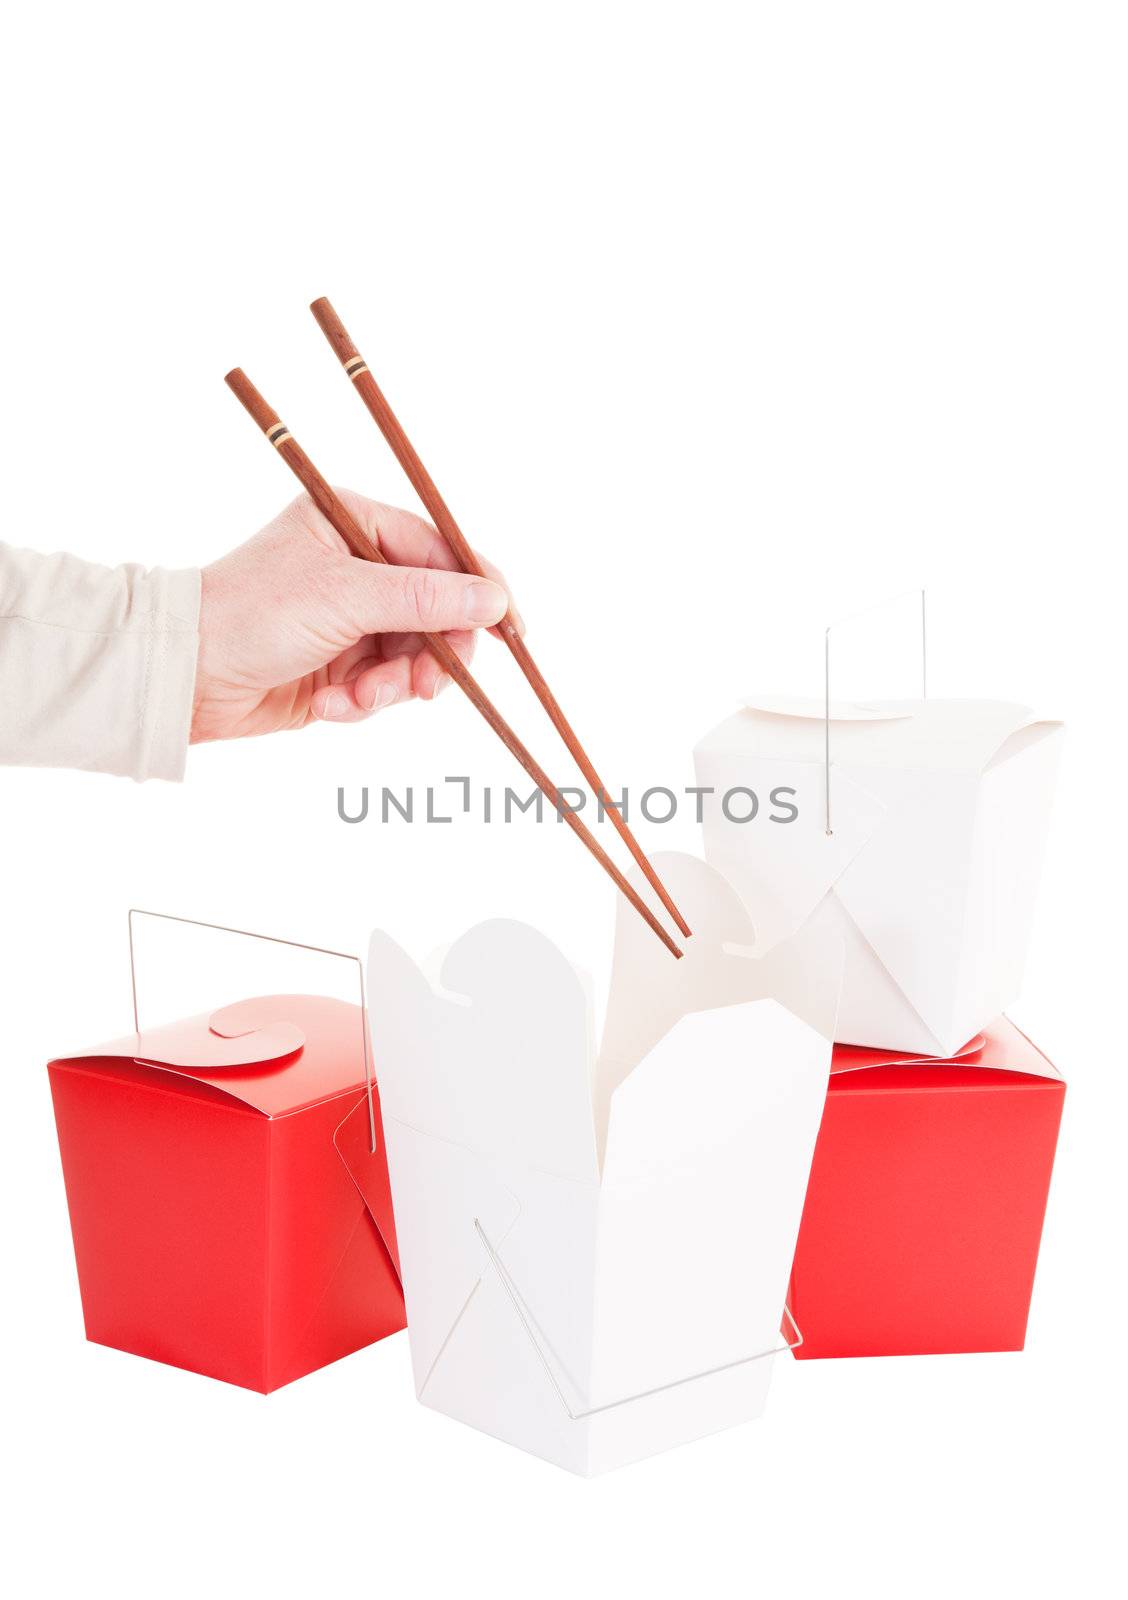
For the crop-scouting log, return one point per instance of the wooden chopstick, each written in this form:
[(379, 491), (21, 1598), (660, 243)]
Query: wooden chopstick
[(438, 510), (362, 546)]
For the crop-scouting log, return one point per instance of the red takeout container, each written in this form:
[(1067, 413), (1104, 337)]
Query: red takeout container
[(924, 1208), (228, 1214)]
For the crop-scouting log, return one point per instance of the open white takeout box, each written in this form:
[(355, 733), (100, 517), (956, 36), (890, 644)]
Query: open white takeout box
[(595, 1247), (920, 842)]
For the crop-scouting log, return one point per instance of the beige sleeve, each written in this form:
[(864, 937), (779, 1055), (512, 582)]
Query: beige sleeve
[(97, 664)]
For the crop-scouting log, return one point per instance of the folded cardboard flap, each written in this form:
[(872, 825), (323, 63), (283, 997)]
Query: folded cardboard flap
[(368, 1170), (1023, 739), (705, 1187), (275, 1053), (659, 1123), (791, 705), (494, 1058), (860, 1058), (1000, 1048), (443, 1193), (935, 735), (649, 994), (202, 1044)]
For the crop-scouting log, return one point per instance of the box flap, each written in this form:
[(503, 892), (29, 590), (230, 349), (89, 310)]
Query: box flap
[(783, 872), (368, 1170), (1000, 1048), (708, 1155), (793, 705), (933, 735), (857, 1058), (494, 1058), (722, 966), (275, 1053)]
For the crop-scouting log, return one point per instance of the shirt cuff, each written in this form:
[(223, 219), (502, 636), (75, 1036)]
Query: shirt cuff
[(166, 716)]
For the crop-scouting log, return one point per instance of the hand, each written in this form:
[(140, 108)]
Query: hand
[(293, 628)]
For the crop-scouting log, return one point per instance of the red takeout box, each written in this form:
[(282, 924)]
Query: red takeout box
[(924, 1209), (214, 1172)]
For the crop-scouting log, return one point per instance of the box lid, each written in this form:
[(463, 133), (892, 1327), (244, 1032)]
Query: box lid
[(276, 1054)]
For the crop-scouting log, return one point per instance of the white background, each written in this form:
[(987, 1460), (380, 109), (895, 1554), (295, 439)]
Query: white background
[(715, 323)]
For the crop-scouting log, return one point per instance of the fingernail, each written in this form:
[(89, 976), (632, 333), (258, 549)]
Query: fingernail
[(335, 706), (485, 603), (386, 694), (443, 683)]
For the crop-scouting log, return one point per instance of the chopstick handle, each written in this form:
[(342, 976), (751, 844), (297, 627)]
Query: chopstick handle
[(360, 545)]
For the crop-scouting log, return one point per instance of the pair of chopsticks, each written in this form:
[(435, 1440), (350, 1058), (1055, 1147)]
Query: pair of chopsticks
[(360, 545)]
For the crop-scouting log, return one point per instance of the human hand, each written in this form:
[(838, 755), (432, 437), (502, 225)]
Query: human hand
[(293, 629)]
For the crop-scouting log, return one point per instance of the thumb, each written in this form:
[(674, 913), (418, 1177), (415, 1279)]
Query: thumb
[(389, 599)]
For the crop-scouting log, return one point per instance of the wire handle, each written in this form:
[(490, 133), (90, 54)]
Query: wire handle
[(826, 681), (644, 1394), (267, 938)]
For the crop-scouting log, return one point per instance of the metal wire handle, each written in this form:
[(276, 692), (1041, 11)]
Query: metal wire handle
[(267, 938), (826, 684), (644, 1394)]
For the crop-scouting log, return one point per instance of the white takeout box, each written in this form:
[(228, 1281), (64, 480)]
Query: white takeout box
[(596, 1248), (938, 816)]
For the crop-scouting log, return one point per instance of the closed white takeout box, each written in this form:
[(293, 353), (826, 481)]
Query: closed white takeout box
[(595, 1247), (938, 811)]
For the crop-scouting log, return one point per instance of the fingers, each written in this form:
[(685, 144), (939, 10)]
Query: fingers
[(411, 541), (428, 677), (382, 684), (364, 681), (425, 675), (361, 680), (372, 685), (387, 599), (337, 702), (379, 686)]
